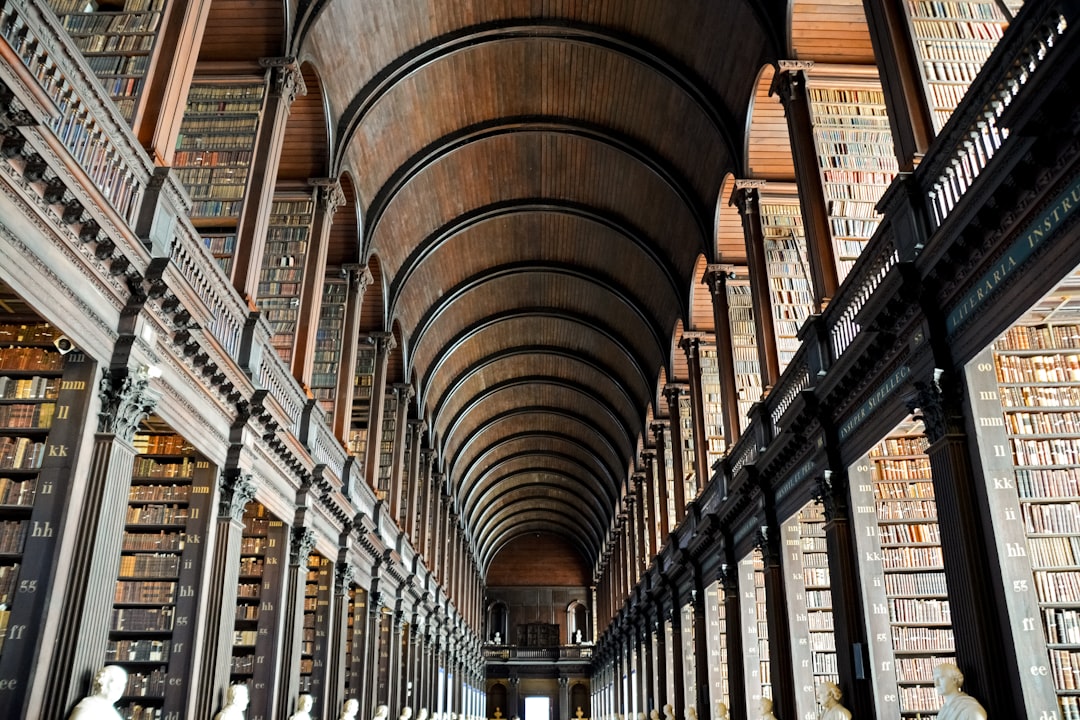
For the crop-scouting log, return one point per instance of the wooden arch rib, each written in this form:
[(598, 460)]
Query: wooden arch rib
[(588, 289), (618, 226), (527, 490), (559, 448), (833, 31), (553, 524), (537, 364), (539, 418), (566, 393), (502, 333), (480, 488), (532, 505), (654, 59)]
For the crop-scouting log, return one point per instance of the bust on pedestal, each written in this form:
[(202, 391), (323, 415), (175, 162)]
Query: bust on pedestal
[(108, 687), (349, 709), (303, 708), (236, 702), (766, 709), (958, 704), (722, 712), (422, 715), (406, 713), (381, 712), (669, 712), (828, 696)]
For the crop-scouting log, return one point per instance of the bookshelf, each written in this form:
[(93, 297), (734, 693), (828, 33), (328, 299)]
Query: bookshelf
[(386, 451), (214, 151), (1026, 395), (117, 40), (712, 404), (744, 345), (952, 41), (809, 591), (716, 640), (688, 647), (314, 643), (43, 404), (329, 341), (262, 552), (152, 627), (222, 245), (686, 426), (281, 281), (755, 629), (856, 158), (354, 642), (789, 274), (364, 377), (897, 536)]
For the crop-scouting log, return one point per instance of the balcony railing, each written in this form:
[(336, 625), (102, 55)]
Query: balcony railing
[(532, 654)]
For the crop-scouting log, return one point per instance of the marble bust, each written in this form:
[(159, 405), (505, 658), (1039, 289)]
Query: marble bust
[(108, 687)]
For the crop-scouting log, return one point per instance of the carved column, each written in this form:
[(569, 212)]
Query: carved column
[(678, 670), (780, 656), (393, 660), (716, 278), (662, 670), (403, 393), (286, 84), (328, 198), (87, 605), (849, 629), (426, 500), (359, 277), (965, 540), (746, 198), (512, 698), (790, 85), (662, 481), (673, 393), (692, 347), (641, 546), (702, 657), (650, 487), (335, 672), (371, 661), (302, 542), (384, 345), (416, 433), (729, 583), (909, 111)]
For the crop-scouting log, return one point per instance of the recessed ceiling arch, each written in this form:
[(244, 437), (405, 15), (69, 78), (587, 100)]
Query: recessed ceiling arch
[(552, 524), (521, 513)]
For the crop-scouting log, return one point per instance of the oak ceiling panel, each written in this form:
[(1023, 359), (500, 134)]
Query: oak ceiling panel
[(533, 234), (702, 318), (243, 31), (832, 31), (567, 81), (542, 289), (539, 367), (532, 505), (550, 334), (730, 240), (576, 431), (494, 477), (539, 165), (558, 452), (768, 143), (542, 524), (305, 152), (541, 395)]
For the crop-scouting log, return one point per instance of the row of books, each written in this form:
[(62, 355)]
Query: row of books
[(36, 415), (1040, 337), (184, 467), (159, 493), (151, 619), (107, 65), (33, 388), (907, 509), (157, 515), (1037, 368), (100, 23), (1052, 451), (153, 542), (20, 453), (1058, 586), (913, 488), (919, 610), (162, 445), (903, 533), (1054, 552), (32, 333), (115, 43), (897, 584), (150, 565), (137, 651), (156, 592), (30, 358), (1051, 517)]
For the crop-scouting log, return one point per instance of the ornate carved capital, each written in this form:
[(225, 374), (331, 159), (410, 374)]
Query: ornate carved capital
[(125, 401), (286, 80), (303, 540), (673, 392), (936, 402), (832, 493), (358, 276), (768, 544), (658, 430), (746, 197), (344, 574), (330, 194), (384, 342), (403, 391), (237, 491)]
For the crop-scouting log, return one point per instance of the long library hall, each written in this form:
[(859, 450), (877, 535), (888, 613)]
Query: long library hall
[(539, 360)]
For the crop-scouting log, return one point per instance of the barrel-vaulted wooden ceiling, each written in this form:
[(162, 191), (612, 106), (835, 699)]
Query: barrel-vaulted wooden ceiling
[(536, 185)]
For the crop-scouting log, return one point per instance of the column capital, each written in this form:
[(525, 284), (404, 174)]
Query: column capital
[(126, 399), (303, 541), (383, 341), (403, 391), (832, 493), (236, 491), (359, 276), (329, 192), (789, 79), (745, 196), (691, 342), (658, 427), (937, 400), (344, 574), (286, 79)]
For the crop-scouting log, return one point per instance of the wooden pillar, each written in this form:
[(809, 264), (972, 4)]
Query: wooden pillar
[(359, 277), (339, 624), (966, 544), (384, 345), (328, 198), (692, 346), (729, 583), (672, 393), (790, 85), (649, 460), (286, 84), (641, 547), (438, 523), (157, 118), (909, 111), (678, 671), (301, 543), (235, 490), (780, 655), (661, 668), (416, 433), (87, 605), (701, 651), (746, 198), (716, 278), (426, 499), (373, 638), (403, 393), (662, 480), (849, 630), (648, 701)]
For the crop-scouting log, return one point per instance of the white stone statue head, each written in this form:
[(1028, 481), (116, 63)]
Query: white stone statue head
[(349, 709), (110, 683)]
